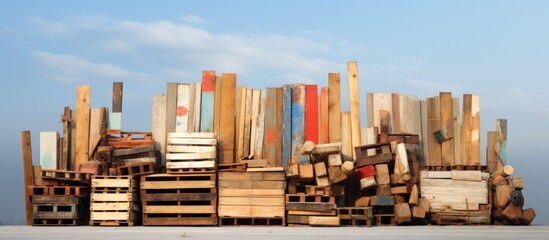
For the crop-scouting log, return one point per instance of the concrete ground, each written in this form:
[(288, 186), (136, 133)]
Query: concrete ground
[(254, 233)]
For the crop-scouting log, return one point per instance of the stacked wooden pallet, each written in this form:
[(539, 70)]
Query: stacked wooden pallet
[(187, 199), (310, 209), (191, 153), (115, 201), (251, 198)]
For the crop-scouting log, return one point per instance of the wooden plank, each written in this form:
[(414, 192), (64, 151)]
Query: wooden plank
[(196, 141), (193, 135), (466, 175), (159, 125), (298, 118), (199, 164), (354, 105), (117, 90), (447, 123), (247, 124), (311, 113), (265, 169), (307, 206), (256, 102), (237, 176), (179, 209), (410, 115), (395, 116), (475, 131), (226, 137), (250, 211), (231, 192), (384, 121), (334, 107), (191, 149), (182, 117), (324, 116), (253, 201), (177, 185), (312, 213), (457, 131), (260, 130), (240, 120), (96, 121), (470, 134), (191, 107), (208, 101), (323, 221), (82, 125), (286, 124), (382, 101), (190, 156), (197, 106), (256, 184), (346, 143), (493, 164), (433, 124), (27, 172), (217, 106), (171, 106), (370, 109), (64, 161), (424, 144), (501, 141), (279, 123), (112, 197), (269, 148), (48, 150)]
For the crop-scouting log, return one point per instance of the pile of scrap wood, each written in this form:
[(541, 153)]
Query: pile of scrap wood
[(508, 198)]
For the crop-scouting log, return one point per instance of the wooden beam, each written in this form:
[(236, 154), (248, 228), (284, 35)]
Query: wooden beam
[(197, 107), (287, 124), (324, 116), (269, 141), (424, 144), (298, 120), (354, 104), (470, 133), (256, 103), (334, 107), (117, 90), (159, 125), (182, 117), (208, 101), (191, 110), (260, 132), (171, 106), (240, 116), (433, 124), (311, 113), (27, 172), (226, 138), (346, 143), (447, 123), (457, 131), (493, 164), (279, 120), (82, 125), (395, 116), (64, 161), (217, 106), (247, 123), (96, 122), (501, 141)]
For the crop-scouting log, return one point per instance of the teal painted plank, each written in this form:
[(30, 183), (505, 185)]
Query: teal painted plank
[(286, 124), (298, 119), (501, 128), (269, 141), (208, 101), (115, 120)]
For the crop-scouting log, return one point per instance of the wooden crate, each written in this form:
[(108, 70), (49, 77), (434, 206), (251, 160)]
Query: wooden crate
[(382, 154), (58, 210), (191, 153), (68, 177), (252, 198), (115, 201), (170, 199), (356, 216), (118, 139), (136, 169)]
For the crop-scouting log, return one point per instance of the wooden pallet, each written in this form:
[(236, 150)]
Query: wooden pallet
[(312, 198), (251, 221), (136, 169), (70, 176), (179, 199), (115, 201), (118, 139), (329, 190), (382, 154), (455, 168), (191, 152), (384, 215), (401, 138), (356, 216), (77, 191), (131, 153), (58, 210)]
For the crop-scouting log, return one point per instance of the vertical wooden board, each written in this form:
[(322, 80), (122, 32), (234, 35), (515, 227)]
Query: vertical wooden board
[(27, 172), (457, 131), (117, 89), (410, 114), (370, 109), (354, 104), (382, 101), (64, 161), (158, 127), (311, 113), (197, 107), (96, 121), (384, 119), (72, 160), (433, 118), (82, 125), (324, 115), (260, 130), (475, 130), (191, 107), (279, 119), (334, 107), (424, 144), (226, 138), (269, 141), (346, 142), (115, 120), (171, 106), (217, 106), (447, 122), (493, 163), (256, 102), (298, 118), (371, 138), (208, 101), (395, 116), (501, 140), (319, 129), (240, 116), (286, 124), (182, 116), (48, 150), (363, 136), (247, 123)]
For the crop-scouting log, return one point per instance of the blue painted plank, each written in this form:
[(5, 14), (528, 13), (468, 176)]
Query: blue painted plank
[(298, 119), (269, 150), (286, 124), (208, 101)]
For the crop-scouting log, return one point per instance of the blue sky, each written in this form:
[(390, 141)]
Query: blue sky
[(498, 49)]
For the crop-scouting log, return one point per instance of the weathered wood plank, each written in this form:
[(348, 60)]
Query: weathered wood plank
[(457, 131), (226, 136), (217, 106), (470, 133), (382, 101), (199, 164), (433, 124), (96, 122), (346, 143), (247, 124), (395, 114), (311, 113), (191, 107), (269, 148), (354, 104), (27, 173), (171, 106), (197, 107), (287, 124), (182, 116), (447, 122), (48, 150), (279, 123), (324, 116), (260, 130), (82, 125), (192, 135), (493, 164), (298, 118), (117, 91), (256, 102), (501, 141), (240, 121), (424, 144), (65, 160), (208, 101), (334, 107)]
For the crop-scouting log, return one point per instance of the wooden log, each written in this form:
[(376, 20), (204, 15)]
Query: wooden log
[(447, 123), (334, 108), (182, 113), (286, 124), (457, 131), (336, 175), (347, 167), (501, 196), (256, 103), (307, 147), (382, 171), (334, 160), (171, 106), (527, 216), (270, 126), (501, 140), (324, 221), (208, 101), (433, 124), (48, 150), (346, 143), (27, 172), (320, 169), (226, 135), (298, 120), (217, 106), (159, 125), (512, 213), (354, 104), (517, 183), (82, 125), (403, 213), (363, 202), (311, 113), (292, 170), (413, 200), (324, 116)]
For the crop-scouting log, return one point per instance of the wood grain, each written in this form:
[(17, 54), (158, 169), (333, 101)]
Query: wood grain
[(158, 125), (27, 172), (269, 141), (354, 104), (171, 106), (433, 124), (298, 118), (208, 101), (82, 125), (217, 106), (226, 136), (324, 116), (334, 107), (346, 143), (117, 90), (311, 113), (286, 124), (447, 122)]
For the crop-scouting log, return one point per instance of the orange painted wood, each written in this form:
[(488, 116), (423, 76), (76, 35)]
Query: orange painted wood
[(324, 115)]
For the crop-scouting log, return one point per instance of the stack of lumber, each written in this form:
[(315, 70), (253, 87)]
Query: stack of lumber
[(457, 196), (508, 201), (179, 199), (61, 199), (251, 198), (191, 153), (311, 209), (115, 201)]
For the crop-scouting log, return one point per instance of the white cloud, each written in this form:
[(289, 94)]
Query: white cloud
[(192, 19), (52, 28), (71, 68)]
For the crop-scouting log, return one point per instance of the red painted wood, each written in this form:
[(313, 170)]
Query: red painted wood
[(324, 114), (311, 113), (364, 172)]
